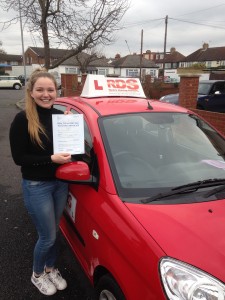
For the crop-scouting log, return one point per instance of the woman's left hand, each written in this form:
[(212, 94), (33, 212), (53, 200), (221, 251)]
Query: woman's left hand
[(67, 112)]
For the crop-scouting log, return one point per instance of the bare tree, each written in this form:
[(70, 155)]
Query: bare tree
[(2, 51), (75, 24), (84, 59)]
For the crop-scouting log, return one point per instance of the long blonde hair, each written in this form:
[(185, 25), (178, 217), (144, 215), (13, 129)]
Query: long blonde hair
[(35, 128)]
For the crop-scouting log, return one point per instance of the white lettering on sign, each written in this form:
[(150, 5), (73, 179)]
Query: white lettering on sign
[(101, 86)]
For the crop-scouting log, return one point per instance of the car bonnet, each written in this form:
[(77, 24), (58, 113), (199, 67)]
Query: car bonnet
[(193, 233)]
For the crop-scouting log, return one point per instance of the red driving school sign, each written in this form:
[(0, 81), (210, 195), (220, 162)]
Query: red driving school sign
[(101, 86)]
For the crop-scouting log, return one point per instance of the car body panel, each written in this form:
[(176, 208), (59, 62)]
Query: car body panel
[(107, 233), (105, 238), (198, 225), (9, 82)]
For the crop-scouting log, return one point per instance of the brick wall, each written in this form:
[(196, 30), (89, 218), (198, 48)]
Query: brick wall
[(188, 92), (157, 89), (70, 85)]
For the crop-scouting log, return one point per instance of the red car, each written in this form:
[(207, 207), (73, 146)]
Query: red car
[(146, 209)]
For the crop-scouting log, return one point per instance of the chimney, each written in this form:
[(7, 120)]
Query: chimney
[(172, 50), (205, 46), (117, 56)]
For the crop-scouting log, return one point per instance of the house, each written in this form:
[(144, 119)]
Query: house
[(210, 57), (85, 63), (172, 59), (11, 59), (169, 62), (36, 55), (131, 65), (128, 66)]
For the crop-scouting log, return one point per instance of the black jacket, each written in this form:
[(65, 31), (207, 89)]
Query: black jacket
[(35, 162)]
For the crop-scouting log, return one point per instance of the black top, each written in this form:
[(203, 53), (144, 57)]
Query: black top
[(35, 161)]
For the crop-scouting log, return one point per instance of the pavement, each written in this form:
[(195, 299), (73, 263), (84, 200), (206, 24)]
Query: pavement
[(21, 103)]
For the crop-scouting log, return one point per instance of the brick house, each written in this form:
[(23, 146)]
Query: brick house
[(172, 59), (35, 55)]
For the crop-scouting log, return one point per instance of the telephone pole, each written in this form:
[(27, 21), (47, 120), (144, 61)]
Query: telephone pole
[(22, 42), (165, 39), (141, 53)]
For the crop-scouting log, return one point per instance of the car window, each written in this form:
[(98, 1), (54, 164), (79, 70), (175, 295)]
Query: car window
[(150, 152), (220, 87), (60, 107), (204, 88)]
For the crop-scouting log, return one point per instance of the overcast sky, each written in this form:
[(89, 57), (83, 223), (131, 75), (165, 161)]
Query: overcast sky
[(190, 24)]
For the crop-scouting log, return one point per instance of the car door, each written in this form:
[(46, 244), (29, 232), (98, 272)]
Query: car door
[(78, 220), (215, 101), (3, 82)]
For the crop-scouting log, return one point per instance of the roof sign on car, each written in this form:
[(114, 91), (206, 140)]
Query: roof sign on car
[(101, 86)]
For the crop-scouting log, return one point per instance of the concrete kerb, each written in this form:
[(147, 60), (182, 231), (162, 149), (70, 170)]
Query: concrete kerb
[(21, 103)]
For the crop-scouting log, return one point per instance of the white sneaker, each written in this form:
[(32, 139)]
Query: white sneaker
[(44, 284), (56, 278)]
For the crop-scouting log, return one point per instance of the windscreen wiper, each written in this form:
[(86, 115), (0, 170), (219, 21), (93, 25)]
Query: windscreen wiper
[(187, 188), (215, 191)]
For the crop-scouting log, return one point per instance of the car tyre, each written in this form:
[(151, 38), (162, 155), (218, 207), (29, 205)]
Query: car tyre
[(108, 289), (17, 86)]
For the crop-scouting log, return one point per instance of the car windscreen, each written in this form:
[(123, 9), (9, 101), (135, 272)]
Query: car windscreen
[(154, 152), (204, 88)]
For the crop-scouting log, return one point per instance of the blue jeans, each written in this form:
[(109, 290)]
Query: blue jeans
[(45, 202)]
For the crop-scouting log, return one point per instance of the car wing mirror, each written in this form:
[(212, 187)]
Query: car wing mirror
[(74, 172)]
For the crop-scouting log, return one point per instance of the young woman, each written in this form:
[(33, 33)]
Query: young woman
[(31, 141)]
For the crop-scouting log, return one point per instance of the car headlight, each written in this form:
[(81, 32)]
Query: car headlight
[(184, 282)]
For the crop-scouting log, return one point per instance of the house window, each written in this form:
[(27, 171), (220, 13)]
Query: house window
[(208, 64), (14, 63), (132, 73), (153, 73), (29, 60), (175, 65), (168, 65), (103, 72), (71, 70)]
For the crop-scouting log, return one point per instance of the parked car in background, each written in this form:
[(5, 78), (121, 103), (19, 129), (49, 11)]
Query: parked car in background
[(211, 96), (7, 81), (22, 79), (170, 98), (145, 214)]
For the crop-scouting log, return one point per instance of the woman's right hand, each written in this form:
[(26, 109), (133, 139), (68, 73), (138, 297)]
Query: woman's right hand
[(61, 158)]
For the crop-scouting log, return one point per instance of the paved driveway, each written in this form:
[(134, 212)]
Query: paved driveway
[(17, 234)]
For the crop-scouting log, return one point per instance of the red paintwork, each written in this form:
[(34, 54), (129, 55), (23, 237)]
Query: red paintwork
[(196, 229), (77, 170), (128, 240)]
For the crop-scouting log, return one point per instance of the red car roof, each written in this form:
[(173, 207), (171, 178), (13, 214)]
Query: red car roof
[(115, 105)]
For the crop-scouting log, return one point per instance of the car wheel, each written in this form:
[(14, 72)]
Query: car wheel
[(108, 289), (17, 86)]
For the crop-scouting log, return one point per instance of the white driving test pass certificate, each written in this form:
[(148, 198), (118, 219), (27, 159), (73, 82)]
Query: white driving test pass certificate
[(68, 133)]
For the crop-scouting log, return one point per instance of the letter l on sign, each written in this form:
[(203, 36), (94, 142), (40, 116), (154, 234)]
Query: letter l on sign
[(97, 87)]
